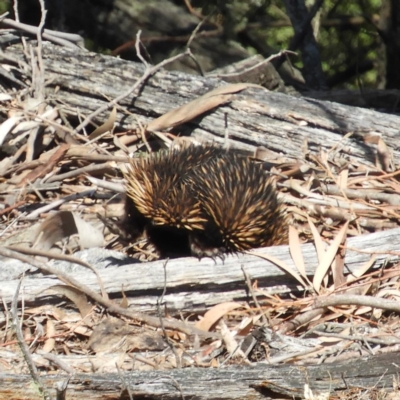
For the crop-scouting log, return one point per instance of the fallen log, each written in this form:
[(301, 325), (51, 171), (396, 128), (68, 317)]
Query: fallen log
[(194, 285), (259, 381), (80, 82)]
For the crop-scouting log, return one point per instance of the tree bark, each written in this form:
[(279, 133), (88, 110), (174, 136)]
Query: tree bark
[(389, 23), (258, 381), (282, 123), (193, 285), (299, 16)]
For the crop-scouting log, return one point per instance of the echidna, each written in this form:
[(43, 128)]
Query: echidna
[(202, 201), (160, 200), (241, 205)]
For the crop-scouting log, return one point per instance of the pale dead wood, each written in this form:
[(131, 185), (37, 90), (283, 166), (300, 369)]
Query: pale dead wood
[(194, 285), (61, 38), (258, 381), (70, 279), (276, 121)]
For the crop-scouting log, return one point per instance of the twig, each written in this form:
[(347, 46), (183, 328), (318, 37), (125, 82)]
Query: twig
[(253, 295), (24, 348), (356, 338), (61, 389), (79, 171), (39, 89), (189, 42), (142, 131), (175, 383), (110, 306), (164, 38), (361, 193), (2, 16), (302, 319), (57, 361), (125, 385), (58, 203), (7, 316), (9, 75), (232, 346), (159, 303), (192, 10), (116, 188), (14, 222), (138, 52), (58, 127), (254, 67), (61, 38), (357, 300), (290, 356), (16, 14), (62, 257)]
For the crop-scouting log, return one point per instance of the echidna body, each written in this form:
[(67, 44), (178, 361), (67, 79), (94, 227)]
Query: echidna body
[(203, 201), (241, 204), (160, 188)]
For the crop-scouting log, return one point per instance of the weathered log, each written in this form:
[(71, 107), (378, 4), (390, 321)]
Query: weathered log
[(282, 123), (258, 381), (195, 285)]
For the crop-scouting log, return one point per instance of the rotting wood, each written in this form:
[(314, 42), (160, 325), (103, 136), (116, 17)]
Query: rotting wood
[(258, 381)]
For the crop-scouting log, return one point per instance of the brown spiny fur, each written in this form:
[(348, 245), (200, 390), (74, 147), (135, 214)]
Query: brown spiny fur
[(203, 201), (241, 204)]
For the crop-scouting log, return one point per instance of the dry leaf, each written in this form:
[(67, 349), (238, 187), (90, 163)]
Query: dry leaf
[(295, 251), (361, 270), (53, 229), (64, 224), (338, 267), (76, 296), (282, 265), (246, 325), (318, 242), (389, 292), (43, 169), (109, 335), (89, 236), (124, 302), (32, 142), (328, 257), (196, 107), (384, 156), (343, 179), (5, 164), (56, 312), (50, 342), (7, 126), (213, 315), (232, 346), (365, 310), (310, 395), (331, 339), (372, 138), (114, 334), (106, 127)]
